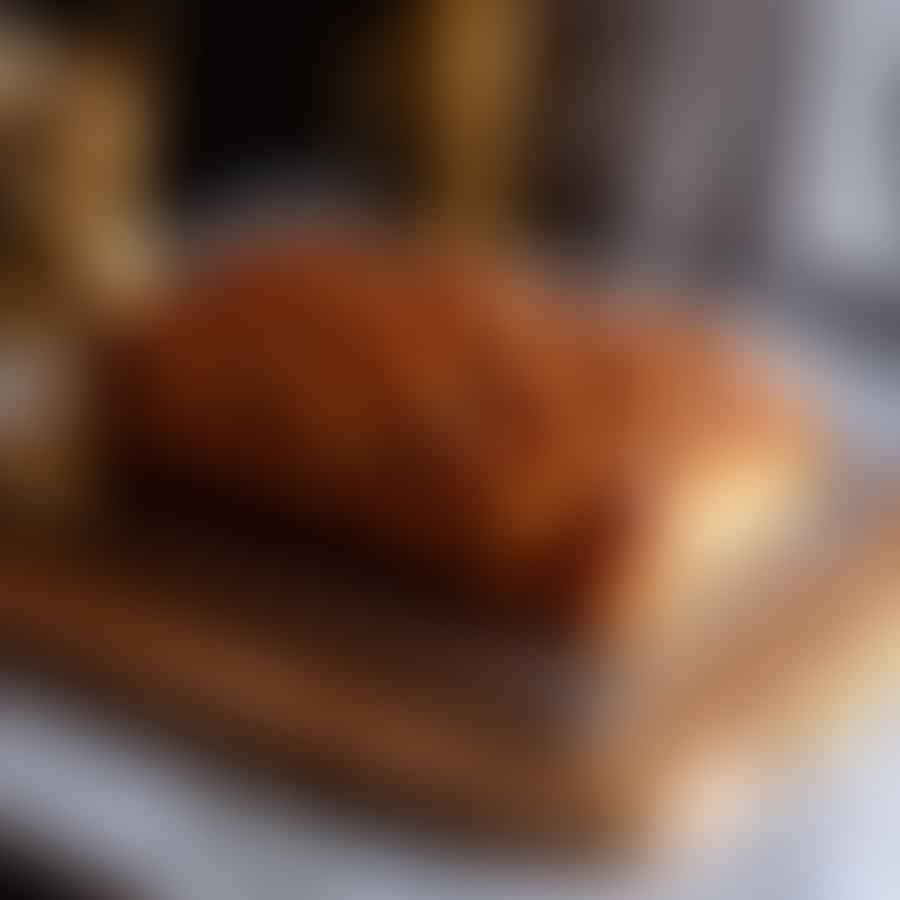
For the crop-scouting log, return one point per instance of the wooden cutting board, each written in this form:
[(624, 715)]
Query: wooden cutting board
[(282, 695)]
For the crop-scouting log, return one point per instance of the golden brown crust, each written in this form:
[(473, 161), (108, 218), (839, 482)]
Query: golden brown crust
[(445, 412)]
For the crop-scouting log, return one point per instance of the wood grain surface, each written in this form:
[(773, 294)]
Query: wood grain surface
[(777, 688)]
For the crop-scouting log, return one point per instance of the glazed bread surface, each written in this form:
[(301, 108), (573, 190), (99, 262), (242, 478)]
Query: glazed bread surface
[(573, 472)]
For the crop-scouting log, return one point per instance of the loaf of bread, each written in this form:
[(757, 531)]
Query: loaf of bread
[(571, 471)]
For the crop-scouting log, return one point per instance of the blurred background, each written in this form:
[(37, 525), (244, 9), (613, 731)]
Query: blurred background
[(748, 145), (743, 139), (731, 135)]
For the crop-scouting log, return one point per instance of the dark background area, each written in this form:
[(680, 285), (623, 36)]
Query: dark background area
[(251, 85), (263, 88)]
